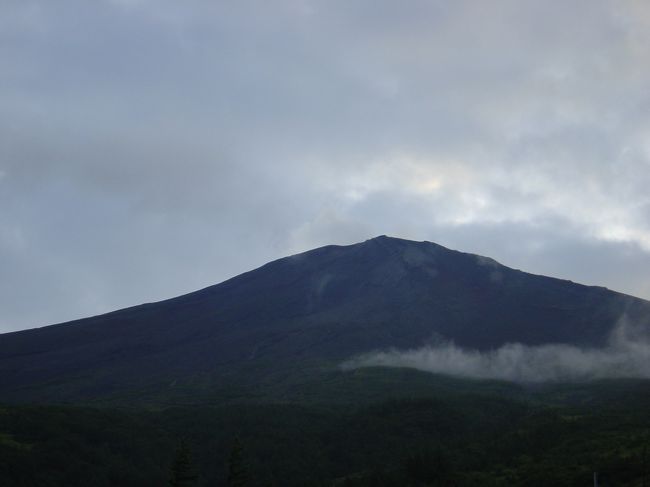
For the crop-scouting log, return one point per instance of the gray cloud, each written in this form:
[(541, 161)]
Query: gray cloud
[(151, 148), (626, 356)]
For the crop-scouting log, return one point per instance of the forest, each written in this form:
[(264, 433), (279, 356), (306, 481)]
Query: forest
[(558, 436)]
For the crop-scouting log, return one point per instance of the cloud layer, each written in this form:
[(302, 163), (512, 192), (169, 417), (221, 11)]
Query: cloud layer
[(626, 356), (152, 148)]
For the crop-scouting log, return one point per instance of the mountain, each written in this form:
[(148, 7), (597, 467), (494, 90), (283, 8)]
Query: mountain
[(297, 317)]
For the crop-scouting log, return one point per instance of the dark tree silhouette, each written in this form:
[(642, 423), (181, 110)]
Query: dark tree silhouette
[(237, 469), (431, 467), (182, 472)]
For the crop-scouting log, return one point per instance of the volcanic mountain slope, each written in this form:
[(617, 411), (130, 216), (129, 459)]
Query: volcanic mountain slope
[(307, 312)]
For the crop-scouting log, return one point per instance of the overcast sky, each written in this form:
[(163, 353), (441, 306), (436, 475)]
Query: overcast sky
[(149, 148)]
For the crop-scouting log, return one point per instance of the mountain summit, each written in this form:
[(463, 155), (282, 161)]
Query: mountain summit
[(314, 309)]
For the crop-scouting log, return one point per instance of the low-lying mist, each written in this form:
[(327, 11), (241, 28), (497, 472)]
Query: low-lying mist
[(627, 355)]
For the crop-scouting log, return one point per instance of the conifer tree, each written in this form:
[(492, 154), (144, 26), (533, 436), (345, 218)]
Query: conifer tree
[(237, 469), (182, 472)]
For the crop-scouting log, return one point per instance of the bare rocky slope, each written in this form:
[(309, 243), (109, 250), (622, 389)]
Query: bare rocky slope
[(303, 315)]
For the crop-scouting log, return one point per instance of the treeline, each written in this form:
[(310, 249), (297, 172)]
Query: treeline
[(455, 441)]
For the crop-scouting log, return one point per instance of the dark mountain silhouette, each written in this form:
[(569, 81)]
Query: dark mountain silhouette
[(304, 313)]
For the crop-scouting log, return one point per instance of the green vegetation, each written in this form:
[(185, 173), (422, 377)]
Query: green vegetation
[(498, 435)]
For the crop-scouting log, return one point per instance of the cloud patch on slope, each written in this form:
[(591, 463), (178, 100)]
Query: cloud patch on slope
[(627, 355)]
